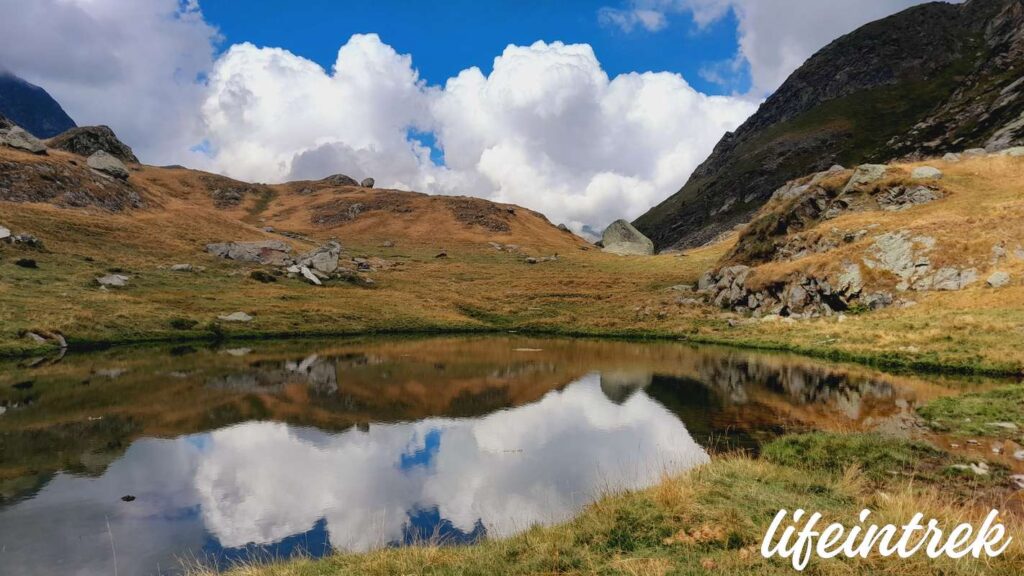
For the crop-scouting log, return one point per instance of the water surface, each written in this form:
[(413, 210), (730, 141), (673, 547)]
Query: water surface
[(147, 457)]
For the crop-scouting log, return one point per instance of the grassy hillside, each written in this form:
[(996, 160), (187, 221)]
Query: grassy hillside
[(477, 287)]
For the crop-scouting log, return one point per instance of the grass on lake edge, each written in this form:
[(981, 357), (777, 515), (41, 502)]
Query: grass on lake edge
[(711, 519)]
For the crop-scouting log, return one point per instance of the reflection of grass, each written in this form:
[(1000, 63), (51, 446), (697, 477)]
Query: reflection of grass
[(996, 413), (709, 520)]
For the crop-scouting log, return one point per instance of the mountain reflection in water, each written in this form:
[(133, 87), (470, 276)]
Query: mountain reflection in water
[(236, 453)]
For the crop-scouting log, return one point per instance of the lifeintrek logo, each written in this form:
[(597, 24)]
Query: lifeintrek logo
[(801, 538)]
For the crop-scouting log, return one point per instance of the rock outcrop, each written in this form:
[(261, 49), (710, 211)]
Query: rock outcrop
[(272, 252), (936, 78), (621, 238), (87, 140)]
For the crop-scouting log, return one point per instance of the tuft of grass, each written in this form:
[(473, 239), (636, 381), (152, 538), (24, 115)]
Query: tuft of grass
[(877, 456)]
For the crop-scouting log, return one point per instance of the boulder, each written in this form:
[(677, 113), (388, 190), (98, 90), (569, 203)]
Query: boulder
[(17, 137), (1015, 152), (367, 183), (236, 317), (865, 174), (341, 180), (324, 259), (623, 239), (951, 157), (926, 173), (998, 279), (975, 153), (181, 268), (87, 140), (113, 281), (101, 161), (270, 252), (5, 233)]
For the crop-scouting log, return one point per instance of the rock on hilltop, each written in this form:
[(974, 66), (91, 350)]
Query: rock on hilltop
[(935, 78)]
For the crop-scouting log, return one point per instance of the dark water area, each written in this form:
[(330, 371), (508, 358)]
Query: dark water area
[(148, 458)]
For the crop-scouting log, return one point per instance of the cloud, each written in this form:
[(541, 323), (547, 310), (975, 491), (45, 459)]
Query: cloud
[(547, 128), (136, 66), (775, 36), (627, 20)]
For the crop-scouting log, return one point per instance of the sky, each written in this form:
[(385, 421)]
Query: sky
[(587, 111)]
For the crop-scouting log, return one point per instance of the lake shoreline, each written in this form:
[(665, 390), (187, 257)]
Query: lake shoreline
[(888, 361)]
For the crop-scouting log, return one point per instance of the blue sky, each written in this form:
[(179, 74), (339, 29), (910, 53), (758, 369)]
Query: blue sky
[(445, 38)]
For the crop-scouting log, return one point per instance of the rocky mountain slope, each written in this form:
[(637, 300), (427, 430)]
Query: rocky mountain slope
[(31, 107), (878, 236), (935, 78)]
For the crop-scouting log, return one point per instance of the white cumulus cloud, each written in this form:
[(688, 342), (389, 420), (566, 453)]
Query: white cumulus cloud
[(136, 66), (547, 128)]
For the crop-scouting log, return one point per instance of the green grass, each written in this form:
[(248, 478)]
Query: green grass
[(977, 415)]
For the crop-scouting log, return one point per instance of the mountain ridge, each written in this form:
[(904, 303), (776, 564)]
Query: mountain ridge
[(32, 107), (934, 78)]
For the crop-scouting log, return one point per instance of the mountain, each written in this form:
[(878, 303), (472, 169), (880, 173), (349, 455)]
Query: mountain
[(932, 79), (31, 107)]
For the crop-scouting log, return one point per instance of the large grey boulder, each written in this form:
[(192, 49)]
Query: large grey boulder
[(271, 252), (324, 259), (17, 137), (621, 238), (101, 161), (865, 174), (341, 180), (367, 183)]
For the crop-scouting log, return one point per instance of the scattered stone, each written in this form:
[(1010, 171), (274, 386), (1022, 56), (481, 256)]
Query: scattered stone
[(35, 338), (1014, 152), (926, 173), (998, 279), (387, 244), (262, 276), (951, 157), (1003, 425), (26, 263), (1019, 455), (105, 163), (1018, 480), (621, 238), (974, 153), (181, 268), (4, 233), (442, 254), (903, 197), (865, 174), (367, 183), (236, 317), (564, 228), (113, 281), (531, 260), (17, 137)]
